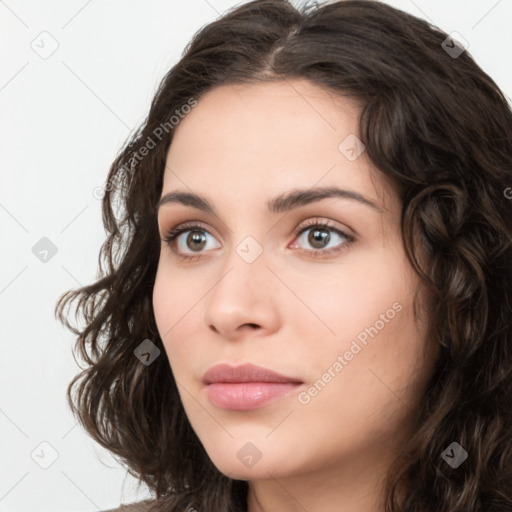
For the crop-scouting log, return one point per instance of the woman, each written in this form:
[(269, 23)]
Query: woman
[(307, 300)]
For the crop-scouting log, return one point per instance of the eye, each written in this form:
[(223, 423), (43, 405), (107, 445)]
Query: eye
[(195, 240), (318, 234)]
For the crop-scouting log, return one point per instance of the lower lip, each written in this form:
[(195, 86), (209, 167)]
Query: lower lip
[(243, 396)]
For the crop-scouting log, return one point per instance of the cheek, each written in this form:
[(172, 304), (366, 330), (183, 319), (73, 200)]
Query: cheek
[(175, 305), (167, 309), (163, 302), (173, 299), (369, 312), (351, 297)]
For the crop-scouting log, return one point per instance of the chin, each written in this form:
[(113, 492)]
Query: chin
[(246, 462)]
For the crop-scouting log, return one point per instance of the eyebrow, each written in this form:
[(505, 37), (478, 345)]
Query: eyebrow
[(281, 203)]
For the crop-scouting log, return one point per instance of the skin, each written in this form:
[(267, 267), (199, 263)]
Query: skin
[(288, 310)]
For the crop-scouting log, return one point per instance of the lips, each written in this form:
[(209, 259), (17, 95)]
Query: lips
[(244, 373), (246, 387)]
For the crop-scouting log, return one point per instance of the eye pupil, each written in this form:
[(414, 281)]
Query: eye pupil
[(318, 237), (196, 237)]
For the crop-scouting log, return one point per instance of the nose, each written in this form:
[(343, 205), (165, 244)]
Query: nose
[(243, 300)]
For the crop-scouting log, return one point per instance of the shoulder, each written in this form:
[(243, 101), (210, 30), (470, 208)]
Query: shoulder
[(141, 506)]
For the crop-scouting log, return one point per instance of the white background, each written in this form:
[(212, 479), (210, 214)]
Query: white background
[(63, 119)]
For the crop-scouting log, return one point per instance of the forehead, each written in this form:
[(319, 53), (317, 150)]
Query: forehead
[(266, 137), (303, 108)]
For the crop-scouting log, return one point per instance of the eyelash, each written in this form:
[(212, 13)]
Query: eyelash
[(171, 235)]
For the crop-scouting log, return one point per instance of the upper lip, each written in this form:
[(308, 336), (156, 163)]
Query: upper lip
[(244, 373)]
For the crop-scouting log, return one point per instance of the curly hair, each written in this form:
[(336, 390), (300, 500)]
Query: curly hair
[(436, 125)]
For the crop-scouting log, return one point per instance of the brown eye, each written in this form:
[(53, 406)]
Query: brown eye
[(318, 235), (194, 242), (318, 238)]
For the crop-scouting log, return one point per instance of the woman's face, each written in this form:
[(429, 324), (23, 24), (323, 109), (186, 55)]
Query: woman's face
[(328, 307)]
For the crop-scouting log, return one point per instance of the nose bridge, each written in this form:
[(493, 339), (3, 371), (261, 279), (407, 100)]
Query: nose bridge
[(245, 252), (244, 270)]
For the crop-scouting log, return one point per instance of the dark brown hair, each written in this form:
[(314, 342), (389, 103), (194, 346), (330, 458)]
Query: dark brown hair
[(433, 123)]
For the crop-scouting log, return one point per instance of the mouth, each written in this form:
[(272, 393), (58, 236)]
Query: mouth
[(246, 387)]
